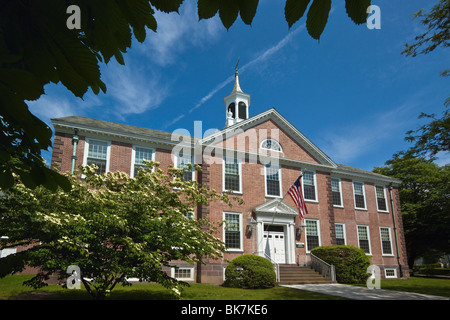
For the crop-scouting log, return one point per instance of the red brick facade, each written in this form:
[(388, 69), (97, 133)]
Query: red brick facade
[(298, 154)]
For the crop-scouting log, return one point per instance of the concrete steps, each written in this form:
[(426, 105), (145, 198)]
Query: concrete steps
[(293, 274)]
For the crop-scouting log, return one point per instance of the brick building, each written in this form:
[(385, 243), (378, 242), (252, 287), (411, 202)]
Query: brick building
[(259, 158)]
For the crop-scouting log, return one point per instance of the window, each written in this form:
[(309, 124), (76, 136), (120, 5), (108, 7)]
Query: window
[(139, 155), (242, 110), (98, 154), (358, 190), (336, 190), (312, 234), (273, 181), (232, 175), (186, 274), (7, 251), (364, 239), (390, 273), (309, 185), (340, 233), (182, 160), (381, 198), (271, 144), (233, 230), (386, 244)]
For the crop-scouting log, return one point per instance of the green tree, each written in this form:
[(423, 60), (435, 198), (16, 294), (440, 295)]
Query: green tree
[(111, 226), (37, 48), (425, 204), (432, 137)]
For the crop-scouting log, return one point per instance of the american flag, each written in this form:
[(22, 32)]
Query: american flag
[(297, 195)]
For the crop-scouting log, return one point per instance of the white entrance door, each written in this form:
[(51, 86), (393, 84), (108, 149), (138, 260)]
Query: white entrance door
[(274, 246)]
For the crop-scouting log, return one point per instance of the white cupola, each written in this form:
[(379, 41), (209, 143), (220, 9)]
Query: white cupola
[(236, 104)]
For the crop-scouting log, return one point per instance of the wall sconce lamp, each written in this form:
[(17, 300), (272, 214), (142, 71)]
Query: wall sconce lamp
[(300, 230)]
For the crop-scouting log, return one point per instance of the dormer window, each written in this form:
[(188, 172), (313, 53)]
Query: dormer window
[(271, 144)]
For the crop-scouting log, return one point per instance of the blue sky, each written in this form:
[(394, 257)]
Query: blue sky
[(352, 93)]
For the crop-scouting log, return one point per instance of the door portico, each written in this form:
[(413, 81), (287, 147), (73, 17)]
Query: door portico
[(275, 231)]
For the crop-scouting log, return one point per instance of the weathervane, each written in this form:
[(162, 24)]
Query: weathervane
[(237, 64)]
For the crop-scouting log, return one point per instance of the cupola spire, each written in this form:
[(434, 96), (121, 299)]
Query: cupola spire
[(236, 103)]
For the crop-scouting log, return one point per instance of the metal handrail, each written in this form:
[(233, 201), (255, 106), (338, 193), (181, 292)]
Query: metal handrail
[(276, 266), (324, 268)]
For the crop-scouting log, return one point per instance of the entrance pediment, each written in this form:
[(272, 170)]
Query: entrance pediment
[(276, 207)]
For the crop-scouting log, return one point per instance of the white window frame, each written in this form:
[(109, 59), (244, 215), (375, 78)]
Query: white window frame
[(261, 147), (191, 269), (317, 221), (7, 251), (175, 159), (133, 157), (385, 198), (315, 186), (239, 162), (87, 142), (368, 238), (390, 242), (279, 179), (390, 269), (364, 194), (241, 233), (340, 192), (343, 231)]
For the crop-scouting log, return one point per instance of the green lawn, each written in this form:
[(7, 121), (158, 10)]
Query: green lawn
[(11, 288)]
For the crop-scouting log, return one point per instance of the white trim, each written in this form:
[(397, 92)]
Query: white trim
[(191, 269), (133, 157), (241, 233), (368, 237), (86, 151), (279, 180), (239, 162), (315, 186), (385, 198), (390, 242), (390, 269), (261, 147), (364, 195), (343, 231), (7, 251), (340, 192), (318, 233)]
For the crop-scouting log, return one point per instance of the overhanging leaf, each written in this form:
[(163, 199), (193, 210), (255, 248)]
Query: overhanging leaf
[(228, 12), (294, 10), (248, 10), (357, 10), (317, 17), (207, 8)]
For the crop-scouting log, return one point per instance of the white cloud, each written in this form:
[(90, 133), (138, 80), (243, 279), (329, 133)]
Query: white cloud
[(346, 144), (133, 89), (176, 32)]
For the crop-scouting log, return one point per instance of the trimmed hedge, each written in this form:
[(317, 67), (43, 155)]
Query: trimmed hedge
[(350, 262), (251, 272)]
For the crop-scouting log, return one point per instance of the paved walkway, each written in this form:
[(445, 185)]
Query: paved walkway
[(363, 293)]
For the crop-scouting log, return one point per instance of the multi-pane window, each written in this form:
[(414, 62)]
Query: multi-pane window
[(363, 238), (232, 175), (358, 188), (336, 190), (312, 234), (98, 155), (340, 233), (273, 185), (141, 154), (386, 244), (232, 228), (309, 188), (271, 144), (183, 273), (381, 198), (182, 161)]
